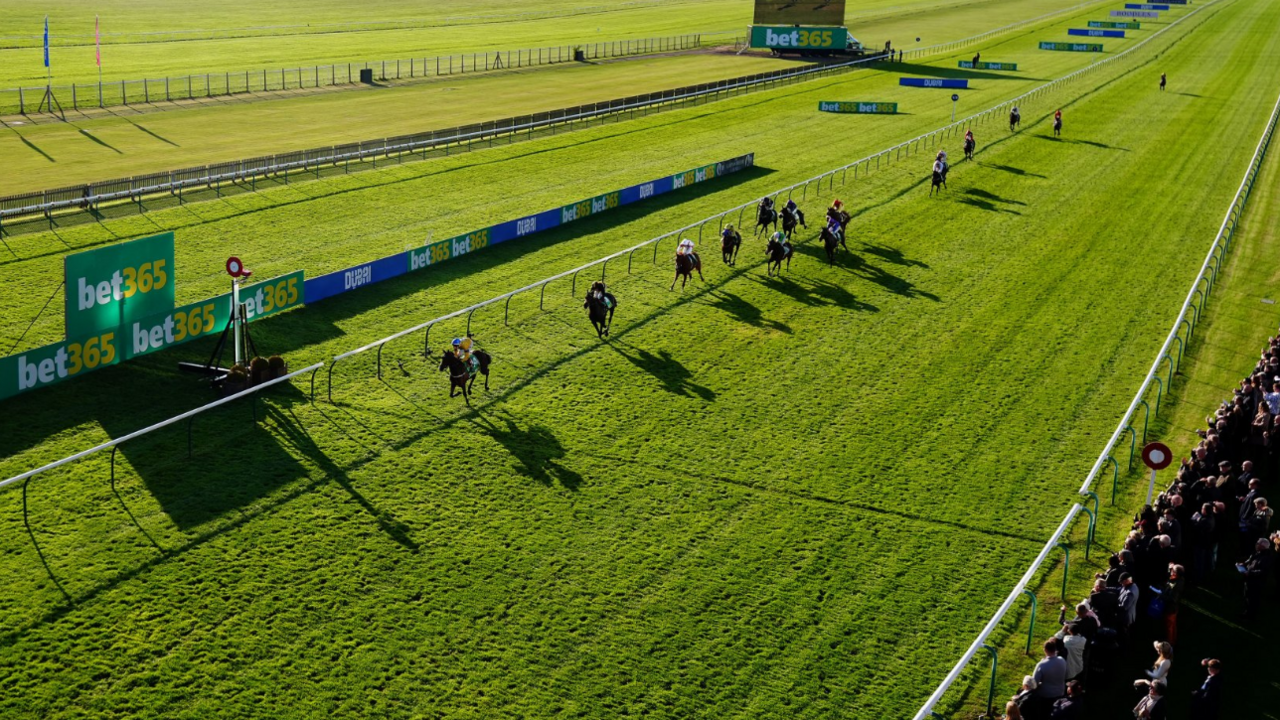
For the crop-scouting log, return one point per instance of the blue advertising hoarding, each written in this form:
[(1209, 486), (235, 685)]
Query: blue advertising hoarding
[(934, 83)]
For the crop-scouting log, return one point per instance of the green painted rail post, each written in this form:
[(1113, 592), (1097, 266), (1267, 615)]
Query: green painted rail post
[(1115, 477), (1146, 420), (1066, 569), (1159, 395), (991, 691), (1093, 519), (1133, 443), (1031, 631)]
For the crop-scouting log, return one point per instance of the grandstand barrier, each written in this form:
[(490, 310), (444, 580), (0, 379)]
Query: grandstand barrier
[(45, 203), (1096, 33), (1183, 327), (1115, 25), (1145, 14), (969, 65), (954, 83)]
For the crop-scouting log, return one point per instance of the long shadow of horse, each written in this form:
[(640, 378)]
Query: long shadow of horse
[(893, 283), (1094, 143), (987, 201), (536, 448), (892, 255), (744, 311), (817, 292), (664, 368), (1010, 169)]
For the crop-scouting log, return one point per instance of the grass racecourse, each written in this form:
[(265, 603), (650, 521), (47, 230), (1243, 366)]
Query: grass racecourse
[(761, 498)]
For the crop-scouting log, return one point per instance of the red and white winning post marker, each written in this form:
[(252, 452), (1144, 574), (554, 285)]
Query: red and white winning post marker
[(1157, 456)]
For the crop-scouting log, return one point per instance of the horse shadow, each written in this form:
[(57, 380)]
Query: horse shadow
[(892, 255), (893, 283), (1094, 143), (745, 312), (1011, 169), (987, 201), (536, 449), (674, 376), (818, 292)]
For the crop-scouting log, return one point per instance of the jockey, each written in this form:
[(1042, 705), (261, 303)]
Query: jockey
[(942, 158), (782, 240), (794, 212), (730, 234), (836, 211), (968, 137), (686, 248), (598, 288), (464, 349), (938, 168)]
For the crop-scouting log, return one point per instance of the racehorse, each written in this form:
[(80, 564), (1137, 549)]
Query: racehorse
[(685, 265), (841, 218), (460, 376), (1057, 126), (730, 243), (831, 240), (1015, 119), (766, 215), (776, 252), (939, 180), (600, 305), (969, 145), (791, 217)]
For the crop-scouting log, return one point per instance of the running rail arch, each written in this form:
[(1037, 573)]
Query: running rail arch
[(1212, 263)]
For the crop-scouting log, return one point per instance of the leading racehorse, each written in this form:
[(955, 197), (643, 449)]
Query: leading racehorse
[(777, 251), (460, 376)]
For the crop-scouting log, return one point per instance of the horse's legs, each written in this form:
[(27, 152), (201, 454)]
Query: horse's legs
[(673, 280), (486, 382)]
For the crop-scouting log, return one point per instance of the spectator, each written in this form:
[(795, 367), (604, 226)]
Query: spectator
[(1164, 661), (1151, 706), (1011, 711), (1260, 521), (1075, 644), (1025, 692), (1069, 707), (1171, 596), (1207, 699), (1051, 679), (1112, 576), (1085, 622), (1202, 537), (1256, 570), (1129, 594), (1246, 511), (1105, 603), (1171, 526)]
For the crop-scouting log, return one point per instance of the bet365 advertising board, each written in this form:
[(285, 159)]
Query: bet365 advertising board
[(120, 305), (799, 38)]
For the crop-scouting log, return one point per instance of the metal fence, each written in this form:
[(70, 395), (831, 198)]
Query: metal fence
[(190, 87)]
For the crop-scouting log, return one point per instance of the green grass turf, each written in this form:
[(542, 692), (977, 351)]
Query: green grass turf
[(328, 222), (57, 154), (876, 20), (788, 498)]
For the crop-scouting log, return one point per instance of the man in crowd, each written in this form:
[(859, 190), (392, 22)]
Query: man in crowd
[(1206, 700)]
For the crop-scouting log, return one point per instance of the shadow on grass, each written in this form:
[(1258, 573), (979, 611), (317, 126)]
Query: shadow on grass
[(892, 255), (674, 376), (535, 447), (988, 201), (744, 312), (1093, 143), (1010, 169)]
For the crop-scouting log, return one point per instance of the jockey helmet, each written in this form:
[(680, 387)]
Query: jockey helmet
[(791, 204), (779, 236), (729, 226), (837, 204), (457, 342)]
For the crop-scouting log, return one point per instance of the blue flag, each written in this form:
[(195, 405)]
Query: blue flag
[(46, 41)]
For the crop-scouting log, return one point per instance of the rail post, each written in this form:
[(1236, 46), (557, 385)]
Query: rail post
[(313, 388), (991, 690), (1115, 476), (1066, 569), (473, 312), (1159, 393), (380, 360), (1146, 420), (1031, 631), (573, 291), (542, 293), (1133, 443), (426, 343), (506, 310)]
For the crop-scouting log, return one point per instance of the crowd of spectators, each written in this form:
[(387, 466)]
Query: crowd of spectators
[(1215, 515)]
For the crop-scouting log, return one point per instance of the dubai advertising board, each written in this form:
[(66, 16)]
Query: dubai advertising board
[(793, 38)]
